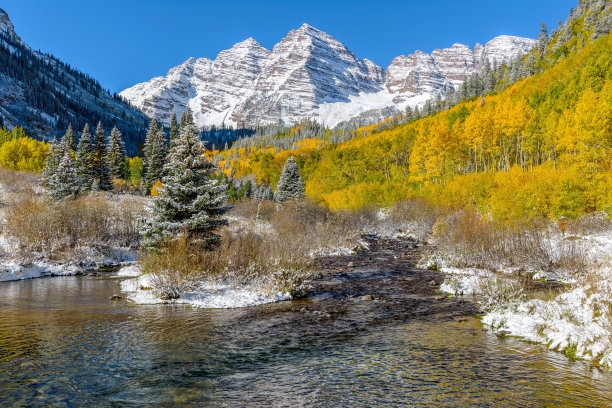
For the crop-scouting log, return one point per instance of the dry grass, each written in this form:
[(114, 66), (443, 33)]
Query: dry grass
[(268, 248), (595, 223), (53, 229), (17, 184), (468, 240), (416, 217), (18, 181), (500, 292), (244, 258)]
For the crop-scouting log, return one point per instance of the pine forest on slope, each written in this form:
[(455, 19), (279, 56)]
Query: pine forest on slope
[(44, 95)]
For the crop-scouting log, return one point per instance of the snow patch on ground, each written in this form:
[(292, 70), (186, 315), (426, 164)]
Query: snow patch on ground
[(85, 258), (10, 270), (209, 296), (577, 322), (129, 271), (464, 282)]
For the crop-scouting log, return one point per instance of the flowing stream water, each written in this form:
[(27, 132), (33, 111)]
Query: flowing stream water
[(64, 343)]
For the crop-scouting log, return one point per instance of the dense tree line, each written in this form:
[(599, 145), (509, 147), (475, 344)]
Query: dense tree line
[(90, 166)]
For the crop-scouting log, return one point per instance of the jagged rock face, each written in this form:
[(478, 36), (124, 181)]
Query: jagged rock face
[(212, 89), (251, 86), (420, 73), (306, 69), (415, 73), (502, 49), (6, 25)]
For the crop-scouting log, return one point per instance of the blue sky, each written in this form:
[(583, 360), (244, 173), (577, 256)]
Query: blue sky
[(122, 42)]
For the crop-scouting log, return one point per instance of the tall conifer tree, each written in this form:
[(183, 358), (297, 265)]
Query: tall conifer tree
[(100, 164), (173, 129), (290, 186), (70, 139), (84, 159), (65, 182), (116, 155), (192, 201)]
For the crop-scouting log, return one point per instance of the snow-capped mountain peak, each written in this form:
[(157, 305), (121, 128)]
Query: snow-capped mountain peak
[(308, 74)]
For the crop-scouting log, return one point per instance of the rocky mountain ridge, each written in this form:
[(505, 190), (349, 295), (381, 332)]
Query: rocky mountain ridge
[(43, 94), (309, 74)]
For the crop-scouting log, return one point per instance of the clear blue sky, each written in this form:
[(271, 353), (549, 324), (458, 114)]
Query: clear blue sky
[(122, 42)]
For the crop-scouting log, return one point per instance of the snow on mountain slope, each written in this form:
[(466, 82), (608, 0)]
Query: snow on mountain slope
[(309, 74), (307, 69), (433, 74), (47, 94)]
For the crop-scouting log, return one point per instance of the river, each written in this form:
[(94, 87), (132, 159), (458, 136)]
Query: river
[(64, 343)]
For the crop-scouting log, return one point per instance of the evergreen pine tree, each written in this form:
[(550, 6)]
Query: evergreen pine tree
[(53, 159), (192, 201), (290, 185), (100, 160), (116, 155), (173, 128), (543, 39), (268, 194), (65, 182), (156, 158), (151, 134), (408, 112), (84, 159), (70, 139), (186, 118)]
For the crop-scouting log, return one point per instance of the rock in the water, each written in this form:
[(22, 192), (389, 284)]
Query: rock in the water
[(351, 265), (440, 298), (432, 283), (367, 297), (116, 297)]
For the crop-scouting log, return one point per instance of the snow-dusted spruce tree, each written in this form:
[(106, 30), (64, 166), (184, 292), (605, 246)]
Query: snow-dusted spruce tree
[(290, 186), (192, 201), (116, 155), (84, 160), (70, 139), (100, 164), (157, 158), (155, 151), (186, 118), (65, 182), (53, 159), (173, 129), (146, 150)]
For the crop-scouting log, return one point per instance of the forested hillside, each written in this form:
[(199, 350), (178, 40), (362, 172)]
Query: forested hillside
[(540, 146), (44, 95)]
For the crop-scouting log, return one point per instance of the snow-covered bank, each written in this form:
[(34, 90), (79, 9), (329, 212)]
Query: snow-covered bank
[(12, 268), (211, 296), (577, 322)]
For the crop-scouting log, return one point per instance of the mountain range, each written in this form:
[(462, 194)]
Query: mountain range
[(309, 75), (44, 94)]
